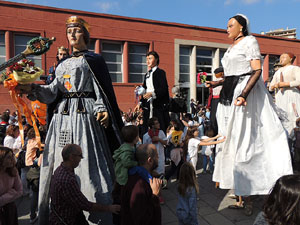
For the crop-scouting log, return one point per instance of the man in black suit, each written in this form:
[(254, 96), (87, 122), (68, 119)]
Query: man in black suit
[(155, 102)]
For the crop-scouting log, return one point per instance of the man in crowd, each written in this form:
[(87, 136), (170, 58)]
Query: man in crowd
[(140, 201), (62, 52), (67, 201)]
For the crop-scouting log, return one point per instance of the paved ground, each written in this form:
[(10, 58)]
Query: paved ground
[(212, 205)]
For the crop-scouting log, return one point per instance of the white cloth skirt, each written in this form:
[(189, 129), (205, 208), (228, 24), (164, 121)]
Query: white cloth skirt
[(255, 153), (285, 101)]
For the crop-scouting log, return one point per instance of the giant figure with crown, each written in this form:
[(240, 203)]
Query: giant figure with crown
[(86, 114)]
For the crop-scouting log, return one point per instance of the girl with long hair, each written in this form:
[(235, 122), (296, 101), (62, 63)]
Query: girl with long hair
[(192, 143), (188, 188), (10, 187), (282, 206)]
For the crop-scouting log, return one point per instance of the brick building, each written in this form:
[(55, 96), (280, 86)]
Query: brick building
[(124, 42)]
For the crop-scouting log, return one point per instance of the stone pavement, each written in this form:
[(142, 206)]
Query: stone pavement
[(212, 205)]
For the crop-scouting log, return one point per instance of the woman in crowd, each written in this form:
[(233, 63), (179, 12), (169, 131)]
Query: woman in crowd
[(33, 160), (87, 114), (282, 206), (10, 140), (256, 143), (10, 187), (287, 81)]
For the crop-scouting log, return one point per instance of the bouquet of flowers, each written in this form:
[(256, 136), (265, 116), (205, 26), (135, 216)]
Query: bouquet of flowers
[(201, 77), (25, 71)]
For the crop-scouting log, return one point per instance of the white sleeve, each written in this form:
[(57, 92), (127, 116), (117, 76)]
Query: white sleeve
[(162, 135), (147, 139), (296, 74), (9, 142), (252, 49)]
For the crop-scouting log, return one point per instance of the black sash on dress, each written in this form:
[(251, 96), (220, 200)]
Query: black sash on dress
[(228, 88)]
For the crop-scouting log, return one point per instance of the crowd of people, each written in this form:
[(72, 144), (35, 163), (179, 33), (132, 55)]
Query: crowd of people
[(97, 165)]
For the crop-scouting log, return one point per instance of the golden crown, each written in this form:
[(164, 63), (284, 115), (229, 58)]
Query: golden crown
[(74, 20)]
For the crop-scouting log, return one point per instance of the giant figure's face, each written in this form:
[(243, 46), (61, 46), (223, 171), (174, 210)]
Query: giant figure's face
[(285, 59), (75, 37), (234, 29), (151, 61)]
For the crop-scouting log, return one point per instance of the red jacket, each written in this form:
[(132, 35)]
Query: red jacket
[(138, 205)]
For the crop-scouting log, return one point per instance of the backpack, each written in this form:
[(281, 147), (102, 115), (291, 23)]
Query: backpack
[(21, 160), (178, 105)]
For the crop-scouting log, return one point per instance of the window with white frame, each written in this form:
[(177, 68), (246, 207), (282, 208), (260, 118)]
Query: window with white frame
[(20, 41), (272, 60), (222, 53), (112, 53), (2, 48), (204, 61), (137, 62), (184, 64)]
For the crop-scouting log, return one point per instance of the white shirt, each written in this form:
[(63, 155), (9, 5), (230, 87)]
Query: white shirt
[(149, 82), (160, 150), (192, 148), (206, 150), (290, 74), (236, 60), (9, 141)]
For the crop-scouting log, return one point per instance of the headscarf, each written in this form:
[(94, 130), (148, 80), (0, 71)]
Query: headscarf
[(243, 20)]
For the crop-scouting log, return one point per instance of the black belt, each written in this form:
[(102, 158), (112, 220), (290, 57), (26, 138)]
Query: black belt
[(228, 88), (80, 95)]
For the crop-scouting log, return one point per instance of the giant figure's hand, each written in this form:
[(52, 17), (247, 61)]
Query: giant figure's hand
[(103, 118), (208, 84), (147, 95), (240, 101)]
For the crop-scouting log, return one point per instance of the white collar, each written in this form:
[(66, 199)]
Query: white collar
[(153, 69)]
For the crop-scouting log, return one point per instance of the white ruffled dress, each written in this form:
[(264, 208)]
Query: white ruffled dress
[(255, 153)]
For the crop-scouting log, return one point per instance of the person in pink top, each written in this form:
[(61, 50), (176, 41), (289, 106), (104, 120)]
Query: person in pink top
[(33, 161), (10, 187)]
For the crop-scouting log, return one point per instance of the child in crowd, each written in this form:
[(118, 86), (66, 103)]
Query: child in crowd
[(124, 158), (207, 151), (188, 188), (124, 155), (192, 143), (158, 138), (175, 143), (175, 137), (282, 205)]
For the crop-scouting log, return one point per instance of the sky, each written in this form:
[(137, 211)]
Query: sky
[(264, 15)]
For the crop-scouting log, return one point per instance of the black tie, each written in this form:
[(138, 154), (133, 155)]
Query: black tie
[(148, 73)]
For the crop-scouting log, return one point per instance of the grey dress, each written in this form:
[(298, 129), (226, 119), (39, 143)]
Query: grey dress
[(95, 171)]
